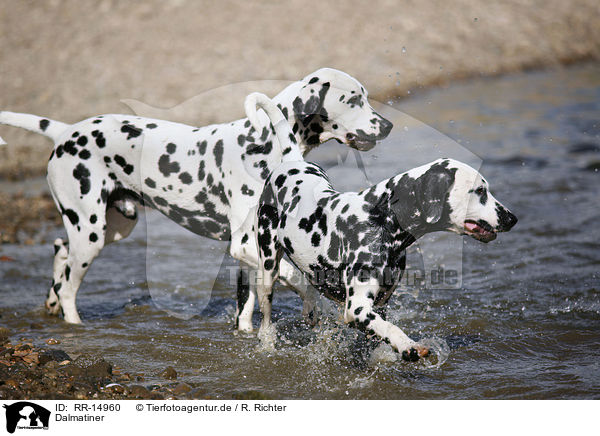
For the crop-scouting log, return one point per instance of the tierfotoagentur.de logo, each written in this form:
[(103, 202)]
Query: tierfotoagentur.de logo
[(25, 415)]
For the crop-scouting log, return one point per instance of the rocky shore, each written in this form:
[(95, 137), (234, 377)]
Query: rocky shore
[(30, 372)]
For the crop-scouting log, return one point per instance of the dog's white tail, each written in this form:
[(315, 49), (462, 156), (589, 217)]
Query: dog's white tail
[(44, 126), (289, 147)]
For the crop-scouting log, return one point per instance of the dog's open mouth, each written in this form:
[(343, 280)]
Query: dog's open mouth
[(361, 144), (481, 231)]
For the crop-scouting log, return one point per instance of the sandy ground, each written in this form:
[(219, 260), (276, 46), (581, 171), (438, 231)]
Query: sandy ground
[(72, 59)]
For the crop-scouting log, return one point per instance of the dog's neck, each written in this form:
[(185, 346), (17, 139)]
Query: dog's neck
[(299, 126), (394, 198)]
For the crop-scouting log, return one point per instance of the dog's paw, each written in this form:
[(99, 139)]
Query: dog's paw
[(52, 307), (415, 353)]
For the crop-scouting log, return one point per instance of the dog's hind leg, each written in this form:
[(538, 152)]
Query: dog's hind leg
[(86, 240), (84, 218), (61, 251)]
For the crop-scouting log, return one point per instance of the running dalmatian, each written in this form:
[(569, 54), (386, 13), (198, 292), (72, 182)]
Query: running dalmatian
[(205, 179), (351, 246)]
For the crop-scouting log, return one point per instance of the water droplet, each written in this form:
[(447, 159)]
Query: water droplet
[(475, 19), (397, 83), (403, 49)]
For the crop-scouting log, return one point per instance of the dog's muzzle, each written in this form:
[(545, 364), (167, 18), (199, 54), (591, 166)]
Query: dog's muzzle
[(506, 220), (363, 141), (479, 230), (361, 144)]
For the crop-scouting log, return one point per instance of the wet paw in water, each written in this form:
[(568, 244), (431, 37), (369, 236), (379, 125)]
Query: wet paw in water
[(414, 354), (433, 352), (267, 337)]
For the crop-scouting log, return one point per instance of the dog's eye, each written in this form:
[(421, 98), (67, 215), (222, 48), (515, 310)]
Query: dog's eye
[(480, 190)]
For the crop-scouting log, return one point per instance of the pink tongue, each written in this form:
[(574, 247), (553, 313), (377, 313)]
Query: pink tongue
[(472, 227)]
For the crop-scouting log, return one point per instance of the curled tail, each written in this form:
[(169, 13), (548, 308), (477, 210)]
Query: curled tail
[(287, 141), (44, 126)]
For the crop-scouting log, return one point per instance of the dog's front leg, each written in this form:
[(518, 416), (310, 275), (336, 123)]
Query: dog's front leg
[(244, 249), (359, 312), (293, 278), (246, 295)]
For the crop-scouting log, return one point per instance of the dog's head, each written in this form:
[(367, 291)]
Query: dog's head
[(450, 195), (333, 105)]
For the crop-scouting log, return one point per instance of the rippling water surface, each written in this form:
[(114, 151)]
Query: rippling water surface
[(521, 321)]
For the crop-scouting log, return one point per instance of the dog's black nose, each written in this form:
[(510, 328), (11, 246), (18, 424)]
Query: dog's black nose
[(506, 219), (385, 127)]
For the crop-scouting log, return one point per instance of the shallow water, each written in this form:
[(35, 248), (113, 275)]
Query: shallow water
[(521, 321)]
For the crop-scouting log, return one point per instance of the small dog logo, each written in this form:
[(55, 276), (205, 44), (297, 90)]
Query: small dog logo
[(26, 415)]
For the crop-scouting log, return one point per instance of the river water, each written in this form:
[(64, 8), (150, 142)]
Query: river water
[(516, 318)]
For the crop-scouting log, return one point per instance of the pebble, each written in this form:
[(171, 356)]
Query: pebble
[(156, 396), (115, 388), (198, 393), (181, 389), (53, 341), (139, 392), (12, 383), (169, 373)]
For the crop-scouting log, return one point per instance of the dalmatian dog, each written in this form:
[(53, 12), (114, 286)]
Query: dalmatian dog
[(206, 179), (351, 245)]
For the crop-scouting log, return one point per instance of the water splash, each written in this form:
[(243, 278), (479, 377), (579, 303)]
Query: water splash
[(267, 338), (439, 352)]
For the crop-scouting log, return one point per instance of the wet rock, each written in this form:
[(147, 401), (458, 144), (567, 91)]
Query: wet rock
[(138, 391), (91, 366), (12, 383), (7, 351), (181, 389), (52, 341), (6, 393), (156, 396), (51, 364), (250, 395), (4, 335), (46, 356), (198, 393), (115, 388), (169, 373), (123, 377)]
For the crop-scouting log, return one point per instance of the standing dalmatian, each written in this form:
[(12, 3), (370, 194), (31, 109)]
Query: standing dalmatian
[(351, 245), (205, 179)]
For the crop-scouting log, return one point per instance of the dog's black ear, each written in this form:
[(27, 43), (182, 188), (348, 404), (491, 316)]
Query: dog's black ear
[(310, 103), (432, 190)]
